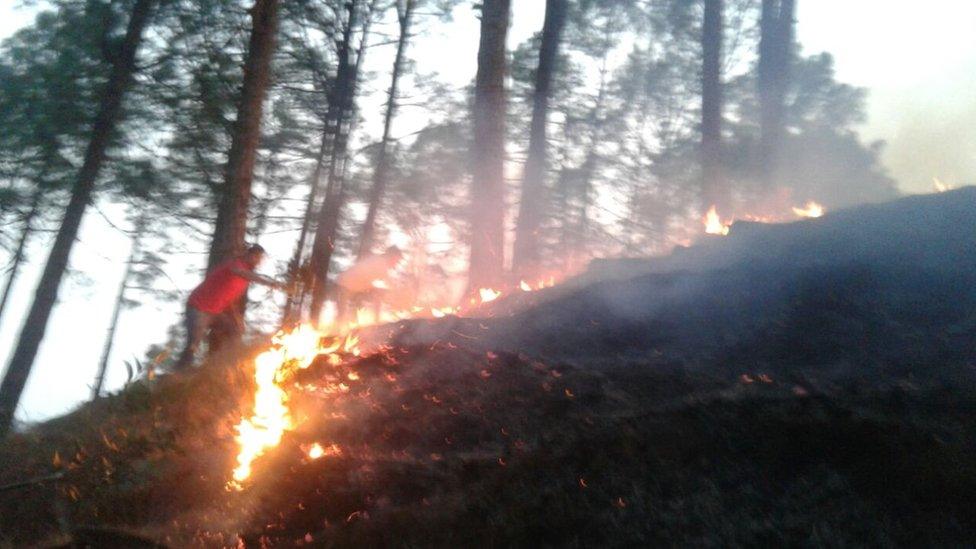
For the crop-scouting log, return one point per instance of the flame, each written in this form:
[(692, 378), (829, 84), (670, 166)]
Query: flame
[(812, 209), (441, 312), (316, 451), (940, 187), (297, 350), (488, 294), (290, 351), (713, 223), (380, 284)]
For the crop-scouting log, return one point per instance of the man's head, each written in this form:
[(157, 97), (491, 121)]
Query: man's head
[(393, 255), (254, 255)]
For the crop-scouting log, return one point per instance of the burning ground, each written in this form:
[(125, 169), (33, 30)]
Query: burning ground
[(808, 383)]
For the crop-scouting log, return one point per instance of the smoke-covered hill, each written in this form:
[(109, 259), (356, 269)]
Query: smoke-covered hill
[(803, 384), (881, 288)]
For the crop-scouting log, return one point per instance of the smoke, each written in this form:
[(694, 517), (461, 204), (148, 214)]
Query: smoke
[(933, 139), (929, 127)]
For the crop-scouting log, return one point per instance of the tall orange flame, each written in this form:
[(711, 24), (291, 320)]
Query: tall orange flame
[(713, 223)]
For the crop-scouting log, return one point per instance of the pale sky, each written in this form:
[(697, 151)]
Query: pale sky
[(917, 59)]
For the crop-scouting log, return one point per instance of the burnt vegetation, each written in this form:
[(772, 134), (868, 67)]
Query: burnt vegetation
[(841, 413)]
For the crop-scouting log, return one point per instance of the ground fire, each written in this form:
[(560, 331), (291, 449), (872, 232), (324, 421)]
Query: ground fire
[(297, 349)]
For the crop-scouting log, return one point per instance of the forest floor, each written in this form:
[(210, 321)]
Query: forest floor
[(445, 446)]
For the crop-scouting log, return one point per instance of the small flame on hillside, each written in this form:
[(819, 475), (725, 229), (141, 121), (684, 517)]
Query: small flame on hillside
[(713, 223), (811, 209), (716, 226), (940, 187), (488, 294)]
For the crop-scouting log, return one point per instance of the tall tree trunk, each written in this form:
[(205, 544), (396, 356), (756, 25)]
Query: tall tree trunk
[(381, 173), (488, 153), (775, 60), (119, 304), (19, 252), (232, 212), (588, 168), (301, 278), (327, 228), (525, 259), (46, 294), (295, 269), (714, 190)]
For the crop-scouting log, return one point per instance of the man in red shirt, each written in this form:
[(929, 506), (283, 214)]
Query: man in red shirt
[(210, 303)]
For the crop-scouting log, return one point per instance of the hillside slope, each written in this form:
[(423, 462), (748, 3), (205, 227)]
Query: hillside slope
[(744, 392)]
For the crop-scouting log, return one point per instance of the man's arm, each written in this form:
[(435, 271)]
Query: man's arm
[(254, 277)]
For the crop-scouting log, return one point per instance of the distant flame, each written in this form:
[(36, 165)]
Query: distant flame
[(941, 187), (488, 294), (524, 286), (812, 209), (713, 223)]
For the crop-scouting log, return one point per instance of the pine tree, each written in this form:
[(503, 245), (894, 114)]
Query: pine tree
[(531, 208), (715, 190), (776, 54), (488, 153), (381, 173), (230, 228), (123, 67)]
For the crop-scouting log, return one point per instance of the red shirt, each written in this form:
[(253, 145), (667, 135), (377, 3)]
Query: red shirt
[(221, 287)]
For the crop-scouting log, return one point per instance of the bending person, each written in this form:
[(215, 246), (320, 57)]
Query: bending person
[(211, 303)]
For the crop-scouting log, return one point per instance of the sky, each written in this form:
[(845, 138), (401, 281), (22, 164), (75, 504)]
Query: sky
[(919, 64)]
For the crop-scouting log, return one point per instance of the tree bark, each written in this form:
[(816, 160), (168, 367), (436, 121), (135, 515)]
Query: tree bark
[(327, 228), (525, 259), (775, 61), (381, 173), (714, 189), (232, 212), (19, 252), (295, 270), (117, 309), (46, 294), (300, 278), (488, 153)]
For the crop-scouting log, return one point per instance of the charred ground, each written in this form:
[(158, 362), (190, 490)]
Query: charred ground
[(803, 384)]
